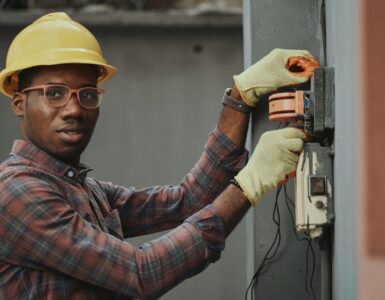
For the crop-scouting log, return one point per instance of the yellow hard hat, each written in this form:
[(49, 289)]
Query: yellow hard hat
[(51, 40)]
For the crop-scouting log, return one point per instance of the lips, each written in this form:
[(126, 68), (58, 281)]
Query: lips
[(72, 134)]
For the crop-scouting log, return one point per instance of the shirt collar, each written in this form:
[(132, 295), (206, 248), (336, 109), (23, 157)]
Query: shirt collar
[(50, 164)]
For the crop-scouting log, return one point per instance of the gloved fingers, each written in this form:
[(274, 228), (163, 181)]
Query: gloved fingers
[(292, 174), (285, 54), (302, 66), (291, 160), (291, 133), (289, 78), (293, 80), (295, 145), (287, 177)]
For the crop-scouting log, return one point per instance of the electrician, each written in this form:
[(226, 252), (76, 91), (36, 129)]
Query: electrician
[(63, 233)]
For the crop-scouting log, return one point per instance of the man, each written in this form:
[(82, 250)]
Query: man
[(62, 233)]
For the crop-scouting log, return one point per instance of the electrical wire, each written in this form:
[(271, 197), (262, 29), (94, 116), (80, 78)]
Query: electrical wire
[(276, 243), (272, 251), (309, 281), (310, 254)]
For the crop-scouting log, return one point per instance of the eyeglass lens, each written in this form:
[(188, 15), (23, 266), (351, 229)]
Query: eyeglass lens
[(57, 95)]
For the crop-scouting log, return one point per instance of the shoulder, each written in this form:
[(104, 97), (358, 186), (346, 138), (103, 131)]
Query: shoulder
[(24, 181)]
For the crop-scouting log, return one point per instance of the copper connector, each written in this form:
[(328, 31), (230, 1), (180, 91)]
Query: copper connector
[(286, 107)]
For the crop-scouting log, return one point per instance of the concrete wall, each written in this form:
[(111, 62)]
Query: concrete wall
[(299, 24), (157, 113), (292, 24), (342, 37)]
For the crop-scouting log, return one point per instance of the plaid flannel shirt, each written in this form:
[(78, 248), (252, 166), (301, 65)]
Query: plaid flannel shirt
[(62, 233)]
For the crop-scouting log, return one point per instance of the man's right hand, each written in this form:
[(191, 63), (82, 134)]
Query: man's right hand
[(274, 71), (275, 156)]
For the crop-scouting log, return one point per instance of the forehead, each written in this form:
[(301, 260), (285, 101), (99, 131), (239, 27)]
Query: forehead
[(71, 74)]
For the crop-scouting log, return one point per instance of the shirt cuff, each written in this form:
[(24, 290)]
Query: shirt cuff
[(211, 228), (224, 153)]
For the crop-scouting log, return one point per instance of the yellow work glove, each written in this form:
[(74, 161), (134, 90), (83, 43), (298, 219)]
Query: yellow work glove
[(275, 156), (272, 72)]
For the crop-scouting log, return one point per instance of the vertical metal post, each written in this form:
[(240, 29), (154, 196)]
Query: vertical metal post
[(326, 265), (250, 222), (341, 43), (270, 24)]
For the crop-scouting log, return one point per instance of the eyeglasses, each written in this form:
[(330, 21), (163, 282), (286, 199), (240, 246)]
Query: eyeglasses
[(59, 95)]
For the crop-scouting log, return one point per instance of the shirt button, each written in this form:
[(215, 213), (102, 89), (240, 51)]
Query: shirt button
[(70, 173)]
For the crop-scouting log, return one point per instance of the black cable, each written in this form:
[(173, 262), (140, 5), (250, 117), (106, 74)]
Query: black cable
[(289, 200), (298, 238), (270, 254), (277, 221), (310, 246), (276, 241), (309, 240)]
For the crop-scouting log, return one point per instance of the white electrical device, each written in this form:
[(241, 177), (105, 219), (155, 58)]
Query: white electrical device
[(314, 190)]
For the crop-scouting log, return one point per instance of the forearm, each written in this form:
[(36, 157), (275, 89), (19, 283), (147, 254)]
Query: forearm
[(233, 123), (231, 205), (64, 243), (168, 206)]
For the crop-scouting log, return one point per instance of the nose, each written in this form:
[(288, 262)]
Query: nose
[(72, 109)]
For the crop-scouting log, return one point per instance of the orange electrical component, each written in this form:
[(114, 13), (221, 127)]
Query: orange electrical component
[(302, 66), (286, 107), (289, 107)]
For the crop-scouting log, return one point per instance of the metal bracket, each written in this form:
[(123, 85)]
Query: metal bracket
[(321, 101)]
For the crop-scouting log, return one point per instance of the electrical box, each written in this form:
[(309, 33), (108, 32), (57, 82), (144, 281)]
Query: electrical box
[(314, 189), (313, 111)]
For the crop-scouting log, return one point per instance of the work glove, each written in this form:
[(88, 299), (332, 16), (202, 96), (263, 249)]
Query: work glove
[(279, 68), (275, 156)]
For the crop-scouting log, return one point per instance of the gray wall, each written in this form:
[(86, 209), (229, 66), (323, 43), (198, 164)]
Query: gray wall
[(342, 54), (286, 24), (157, 114), (298, 24)]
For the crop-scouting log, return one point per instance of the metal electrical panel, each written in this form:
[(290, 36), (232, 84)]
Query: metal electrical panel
[(313, 112)]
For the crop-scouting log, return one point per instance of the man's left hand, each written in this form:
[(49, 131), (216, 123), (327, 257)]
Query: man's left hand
[(279, 68)]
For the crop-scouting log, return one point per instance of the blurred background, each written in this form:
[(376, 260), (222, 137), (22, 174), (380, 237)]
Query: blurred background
[(120, 4), (175, 59)]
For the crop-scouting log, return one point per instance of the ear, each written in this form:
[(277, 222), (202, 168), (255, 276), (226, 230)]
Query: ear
[(18, 104)]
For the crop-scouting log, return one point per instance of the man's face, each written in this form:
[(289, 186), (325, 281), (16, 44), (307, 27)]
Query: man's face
[(62, 132)]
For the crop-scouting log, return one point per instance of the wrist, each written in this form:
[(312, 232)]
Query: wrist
[(231, 205), (234, 182), (233, 99), (235, 93), (248, 185)]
